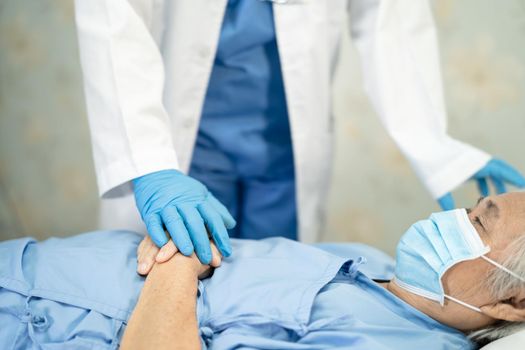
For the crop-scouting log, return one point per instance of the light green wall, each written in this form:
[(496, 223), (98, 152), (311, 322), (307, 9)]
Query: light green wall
[(483, 61), (47, 184)]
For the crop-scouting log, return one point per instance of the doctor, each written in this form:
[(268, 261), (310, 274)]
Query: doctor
[(189, 98)]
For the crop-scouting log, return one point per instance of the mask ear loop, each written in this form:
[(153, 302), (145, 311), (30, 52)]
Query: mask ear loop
[(498, 265), (462, 303)]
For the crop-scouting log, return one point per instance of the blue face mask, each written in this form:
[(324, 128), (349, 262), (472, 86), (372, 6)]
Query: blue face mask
[(430, 247)]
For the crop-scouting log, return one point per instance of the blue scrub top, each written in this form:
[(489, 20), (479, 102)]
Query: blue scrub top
[(78, 293), (244, 113), (243, 151)]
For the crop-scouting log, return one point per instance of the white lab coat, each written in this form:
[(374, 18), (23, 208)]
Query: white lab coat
[(146, 66)]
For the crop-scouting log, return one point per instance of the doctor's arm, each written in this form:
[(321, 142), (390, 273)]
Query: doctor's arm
[(131, 132), (123, 75), (397, 43)]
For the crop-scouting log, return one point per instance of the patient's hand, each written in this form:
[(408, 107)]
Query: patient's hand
[(165, 316), (148, 253)]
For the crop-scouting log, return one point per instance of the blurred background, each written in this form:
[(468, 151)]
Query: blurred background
[(47, 182)]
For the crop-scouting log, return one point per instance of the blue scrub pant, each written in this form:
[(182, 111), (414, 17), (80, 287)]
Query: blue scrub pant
[(263, 206)]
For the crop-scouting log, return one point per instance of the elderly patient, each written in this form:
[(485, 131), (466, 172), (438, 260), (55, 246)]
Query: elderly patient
[(458, 274)]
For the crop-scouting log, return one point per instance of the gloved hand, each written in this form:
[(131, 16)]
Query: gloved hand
[(498, 172), (183, 206)]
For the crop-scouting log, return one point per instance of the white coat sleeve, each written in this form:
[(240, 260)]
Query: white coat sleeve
[(123, 84), (397, 44)]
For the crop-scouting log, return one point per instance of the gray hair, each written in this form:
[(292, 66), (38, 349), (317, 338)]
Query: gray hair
[(501, 284)]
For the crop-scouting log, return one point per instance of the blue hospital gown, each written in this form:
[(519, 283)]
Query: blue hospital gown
[(79, 292)]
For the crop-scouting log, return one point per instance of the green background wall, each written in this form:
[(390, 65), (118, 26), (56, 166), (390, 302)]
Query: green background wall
[(47, 184)]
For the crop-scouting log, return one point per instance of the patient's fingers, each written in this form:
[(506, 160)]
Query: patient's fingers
[(147, 259), (140, 248), (140, 252), (146, 241), (148, 253), (143, 246), (166, 252), (216, 257)]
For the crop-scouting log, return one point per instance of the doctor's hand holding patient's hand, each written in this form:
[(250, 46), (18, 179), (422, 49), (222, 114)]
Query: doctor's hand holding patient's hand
[(169, 200), (148, 254), (498, 172)]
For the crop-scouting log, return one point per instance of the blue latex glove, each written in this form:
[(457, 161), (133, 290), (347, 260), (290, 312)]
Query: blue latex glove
[(499, 172), (183, 206)]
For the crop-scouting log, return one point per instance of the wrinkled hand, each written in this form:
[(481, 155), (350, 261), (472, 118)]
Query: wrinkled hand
[(148, 254), (169, 199), (498, 172)]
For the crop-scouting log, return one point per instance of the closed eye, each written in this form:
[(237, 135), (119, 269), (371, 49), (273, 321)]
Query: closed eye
[(478, 221)]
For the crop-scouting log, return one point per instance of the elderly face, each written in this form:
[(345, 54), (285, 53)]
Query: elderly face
[(499, 220)]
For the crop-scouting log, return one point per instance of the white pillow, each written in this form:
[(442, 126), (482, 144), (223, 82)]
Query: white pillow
[(514, 341)]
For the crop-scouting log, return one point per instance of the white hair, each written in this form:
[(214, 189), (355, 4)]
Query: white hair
[(502, 285)]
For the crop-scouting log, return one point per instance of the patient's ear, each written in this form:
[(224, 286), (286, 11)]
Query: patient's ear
[(512, 309)]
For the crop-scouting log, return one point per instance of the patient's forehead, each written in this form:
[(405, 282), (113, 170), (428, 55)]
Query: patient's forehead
[(507, 203), (512, 204)]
